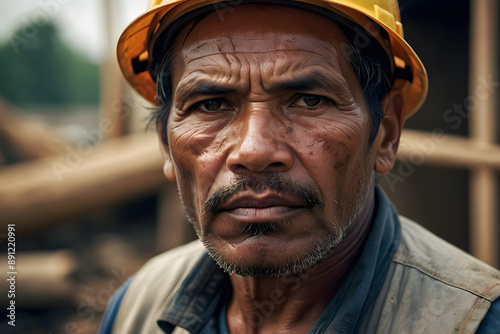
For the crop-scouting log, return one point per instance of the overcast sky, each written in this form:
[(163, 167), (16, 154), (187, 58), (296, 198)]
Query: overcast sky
[(81, 21)]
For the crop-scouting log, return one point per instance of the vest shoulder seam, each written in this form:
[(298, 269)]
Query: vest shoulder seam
[(423, 270)]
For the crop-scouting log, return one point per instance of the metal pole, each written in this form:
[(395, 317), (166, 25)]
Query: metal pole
[(483, 97)]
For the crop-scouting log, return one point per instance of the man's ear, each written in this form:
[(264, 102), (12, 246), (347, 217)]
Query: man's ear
[(168, 163), (386, 142)]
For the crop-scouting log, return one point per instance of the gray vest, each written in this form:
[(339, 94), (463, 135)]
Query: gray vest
[(431, 287)]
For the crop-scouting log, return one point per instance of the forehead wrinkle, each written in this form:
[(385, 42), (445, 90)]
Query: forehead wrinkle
[(214, 76), (257, 44), (287, 61), (193, 59), (324, 73)]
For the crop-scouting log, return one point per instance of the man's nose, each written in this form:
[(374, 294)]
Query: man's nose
[(260, 145)]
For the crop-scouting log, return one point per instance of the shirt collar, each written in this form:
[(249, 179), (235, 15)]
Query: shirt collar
[(347, 310), (204, 290)]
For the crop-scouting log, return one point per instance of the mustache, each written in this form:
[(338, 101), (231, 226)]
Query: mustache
[(272, 181)]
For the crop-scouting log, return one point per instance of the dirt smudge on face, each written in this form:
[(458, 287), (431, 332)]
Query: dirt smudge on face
[(342, 159)]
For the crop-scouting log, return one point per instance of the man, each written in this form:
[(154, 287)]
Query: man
[(274, 119)]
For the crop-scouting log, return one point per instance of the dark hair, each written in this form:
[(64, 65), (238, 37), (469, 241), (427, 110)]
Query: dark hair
[(371, 64)]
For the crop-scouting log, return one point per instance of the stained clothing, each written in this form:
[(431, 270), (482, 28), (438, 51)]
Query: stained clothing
[(406, 280)]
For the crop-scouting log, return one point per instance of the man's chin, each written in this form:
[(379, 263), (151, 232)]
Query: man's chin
[(262, 262)]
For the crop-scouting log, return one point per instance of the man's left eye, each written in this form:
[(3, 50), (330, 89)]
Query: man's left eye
[(308, 101)]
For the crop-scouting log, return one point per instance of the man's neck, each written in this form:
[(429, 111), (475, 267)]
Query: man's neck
[(293, 303)]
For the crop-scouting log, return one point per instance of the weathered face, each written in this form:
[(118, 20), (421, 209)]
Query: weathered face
[(268, 137)]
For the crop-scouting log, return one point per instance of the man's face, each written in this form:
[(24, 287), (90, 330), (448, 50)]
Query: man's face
[(268, 138)]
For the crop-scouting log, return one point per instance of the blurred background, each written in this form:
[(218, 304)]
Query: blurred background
[(80, 174)]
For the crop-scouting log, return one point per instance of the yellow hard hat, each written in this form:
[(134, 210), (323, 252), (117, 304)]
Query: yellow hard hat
[(136, 43)]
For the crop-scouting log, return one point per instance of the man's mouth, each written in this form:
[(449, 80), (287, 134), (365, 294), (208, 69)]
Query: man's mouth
[(272, 195), (262, 208)]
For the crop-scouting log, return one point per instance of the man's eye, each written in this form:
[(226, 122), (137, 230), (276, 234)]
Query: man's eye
[(212, 105), (308, 101)]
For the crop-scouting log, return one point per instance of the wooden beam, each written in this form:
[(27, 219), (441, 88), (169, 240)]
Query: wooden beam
[(112, 109), (31, 138), (44, 279), (446, 150), (484, 37), (37, 194)]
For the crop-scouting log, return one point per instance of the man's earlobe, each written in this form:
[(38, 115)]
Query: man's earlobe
[(391, 125), (168, 164), (168, 168)]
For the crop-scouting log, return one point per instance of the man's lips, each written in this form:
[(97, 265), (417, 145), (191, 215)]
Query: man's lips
[(261, 208), (260, 202)]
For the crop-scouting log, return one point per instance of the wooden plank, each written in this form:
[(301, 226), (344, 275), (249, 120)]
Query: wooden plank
[(37, 194), (483, 127), (112, 110), (31, 138), (44, 279), (444, 150)]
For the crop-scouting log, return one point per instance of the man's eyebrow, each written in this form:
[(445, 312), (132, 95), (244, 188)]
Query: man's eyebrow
[(300, 82), (199, 87), (309, 81)]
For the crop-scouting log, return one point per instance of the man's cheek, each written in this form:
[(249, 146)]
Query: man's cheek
[(188, 195)]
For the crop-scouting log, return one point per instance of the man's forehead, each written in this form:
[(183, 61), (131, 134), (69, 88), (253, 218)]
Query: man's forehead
[(264, 43), (260, 28)]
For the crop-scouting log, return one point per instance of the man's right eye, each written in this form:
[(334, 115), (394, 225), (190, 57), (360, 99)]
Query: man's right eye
[(211, 105)]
